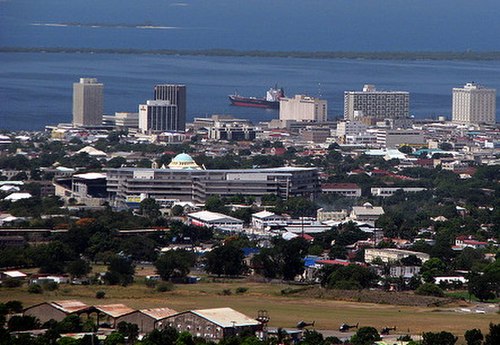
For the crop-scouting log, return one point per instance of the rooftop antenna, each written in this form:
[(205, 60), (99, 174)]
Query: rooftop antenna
[(319, 90)]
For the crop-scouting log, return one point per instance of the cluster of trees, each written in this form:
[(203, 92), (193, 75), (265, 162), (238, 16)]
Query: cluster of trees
[(282, 260), (486, 286), (295, 207), (127, 333)]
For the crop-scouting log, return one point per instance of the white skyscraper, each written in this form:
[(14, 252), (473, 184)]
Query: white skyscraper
[(474, 104), (88, 102)]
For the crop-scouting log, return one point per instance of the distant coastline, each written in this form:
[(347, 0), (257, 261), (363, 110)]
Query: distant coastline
[(437, 56)]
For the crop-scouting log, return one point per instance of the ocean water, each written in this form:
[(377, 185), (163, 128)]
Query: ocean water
[(345, 25), (36, 88)]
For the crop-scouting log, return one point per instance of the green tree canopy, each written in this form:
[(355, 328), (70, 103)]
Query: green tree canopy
[(441, 338), (493, 337), (365, 336), (78, 268), (474, 337), (351, 277), (175, 264), (150, 208), (226, 260), (285, 259), (120, 271)]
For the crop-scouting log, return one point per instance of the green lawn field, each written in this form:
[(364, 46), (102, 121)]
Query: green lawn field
[(284, 311)]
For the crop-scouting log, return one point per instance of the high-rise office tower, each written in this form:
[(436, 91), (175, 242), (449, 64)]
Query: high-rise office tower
[(376, 104), (158, 116), (88, 102), (303, 108), (474, 104), (176, 95)]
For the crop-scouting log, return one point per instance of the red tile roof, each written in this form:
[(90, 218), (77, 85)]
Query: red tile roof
[(339, 186), (333, 262)]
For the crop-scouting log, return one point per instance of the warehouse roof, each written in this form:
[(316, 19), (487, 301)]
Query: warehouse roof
[(115, 310), (207, 216), (158, 313), (226, 317)]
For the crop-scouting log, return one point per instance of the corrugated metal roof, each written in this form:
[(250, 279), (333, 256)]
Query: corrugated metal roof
[(14, 274), (264, 214), (69, 306), (158, 313), (115, 310), (90, 176), (226, 317), (208, 216)]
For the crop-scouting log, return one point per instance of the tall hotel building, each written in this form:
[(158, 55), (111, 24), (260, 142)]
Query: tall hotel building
[(176, 95), (88, 102), (378, 105), (474, 104)]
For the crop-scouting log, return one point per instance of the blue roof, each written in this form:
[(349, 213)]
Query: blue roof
[(310, 260), (247, 251), (428, 151)]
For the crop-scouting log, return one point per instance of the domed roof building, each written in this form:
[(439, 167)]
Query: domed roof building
[(183, 161)]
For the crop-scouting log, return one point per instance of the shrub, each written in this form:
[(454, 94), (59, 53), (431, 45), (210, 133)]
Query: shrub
[(429, 289), (23, 323), (14, 306), (50, 286), (100, 294), (405, 337), (347, 285), (290, 291), (164, 287), (226, 292), (35, 288), (241, 290), (441, 338), (151, 283), (12, 283)]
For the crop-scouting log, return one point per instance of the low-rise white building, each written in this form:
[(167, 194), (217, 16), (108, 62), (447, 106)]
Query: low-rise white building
[(18, 196), (366, 213), (215, 220), (338, 216), (450, 280), (391, 138), (389, 191), (349, 190), (404, 271), (350, 128), (462, 242), (391, 254), (265, 219)]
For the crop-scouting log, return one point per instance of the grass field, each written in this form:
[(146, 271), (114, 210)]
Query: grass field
[(285, 311)]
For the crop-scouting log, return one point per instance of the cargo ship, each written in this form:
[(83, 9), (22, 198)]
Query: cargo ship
[(271, 101)]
